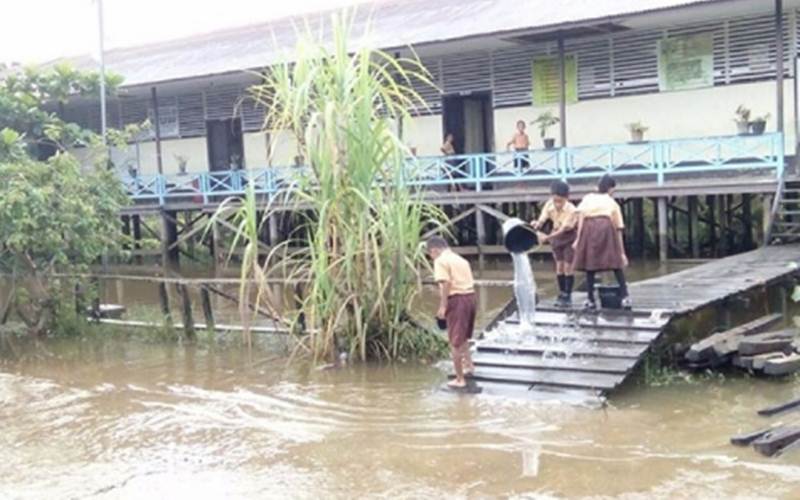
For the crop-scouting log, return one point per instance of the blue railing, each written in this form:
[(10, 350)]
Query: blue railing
[(655, 161)]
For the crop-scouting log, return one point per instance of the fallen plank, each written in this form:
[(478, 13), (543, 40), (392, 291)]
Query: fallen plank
[(722, 344), (748, 438), (782, 366), (755, 362), (773, 441), (767, 342), (774, 410)]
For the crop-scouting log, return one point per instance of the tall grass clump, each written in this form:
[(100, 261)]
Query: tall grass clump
[(361, 225)]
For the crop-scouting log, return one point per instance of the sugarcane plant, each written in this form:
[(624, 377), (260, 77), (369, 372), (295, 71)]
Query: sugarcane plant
[(361, 227)]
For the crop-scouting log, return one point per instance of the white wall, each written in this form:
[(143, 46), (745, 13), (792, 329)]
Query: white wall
[(670, 115), (424, 133)]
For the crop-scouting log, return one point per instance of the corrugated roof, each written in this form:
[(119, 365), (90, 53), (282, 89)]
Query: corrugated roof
[(394, 23)]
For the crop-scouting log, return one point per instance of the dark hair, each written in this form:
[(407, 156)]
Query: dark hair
[(520, 121), (435, 242), (606, 184), (560, 188)]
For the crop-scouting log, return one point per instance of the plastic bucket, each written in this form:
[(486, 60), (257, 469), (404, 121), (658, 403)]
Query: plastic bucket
[(610, 296), (518, 236)]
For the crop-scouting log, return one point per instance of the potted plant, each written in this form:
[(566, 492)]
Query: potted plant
[(182, 162), (742, 120), (637, 131), (758, 124), (544, 121)]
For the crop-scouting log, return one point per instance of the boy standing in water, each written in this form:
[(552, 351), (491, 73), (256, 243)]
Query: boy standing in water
[(456, 304), (600, 246), (560, 212), (521, 142)]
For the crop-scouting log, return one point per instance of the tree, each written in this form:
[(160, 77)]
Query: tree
[(56, 215)]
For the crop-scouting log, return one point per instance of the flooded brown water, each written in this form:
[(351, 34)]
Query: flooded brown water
[(115, 416)]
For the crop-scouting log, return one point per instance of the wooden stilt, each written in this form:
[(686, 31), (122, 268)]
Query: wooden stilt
[(480, 230), (186, 311), (218, 251), (163, 299), (723, 227), (208, 311), (730, 241), (663, 241), (169, 235), (693, 230), (274, 237), (747, 220), (137, 237), (638, 226), (712, 228), (126, 231), (765, 217)]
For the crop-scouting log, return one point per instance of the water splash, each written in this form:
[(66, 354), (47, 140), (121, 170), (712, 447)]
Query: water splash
[(524, 290)]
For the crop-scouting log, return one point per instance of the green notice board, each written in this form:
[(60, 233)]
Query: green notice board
[(686, 62), (546, 80)]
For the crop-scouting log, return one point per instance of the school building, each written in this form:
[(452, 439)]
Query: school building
[(681, 68)]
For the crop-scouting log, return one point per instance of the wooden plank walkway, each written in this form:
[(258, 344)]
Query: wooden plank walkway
[(587, 355)]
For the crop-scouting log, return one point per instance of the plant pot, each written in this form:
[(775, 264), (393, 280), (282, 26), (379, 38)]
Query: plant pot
[(742, 128), (758, 127), (549, 143), (637, 136)]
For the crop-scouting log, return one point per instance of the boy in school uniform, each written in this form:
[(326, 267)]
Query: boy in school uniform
[(457, 304), (561, 214), (600, 246)]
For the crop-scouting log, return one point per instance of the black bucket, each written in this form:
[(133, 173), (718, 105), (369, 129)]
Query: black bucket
[(518, 236), (610, 296)]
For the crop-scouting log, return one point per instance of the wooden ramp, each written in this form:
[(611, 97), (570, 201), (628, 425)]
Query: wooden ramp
[(591, 354)]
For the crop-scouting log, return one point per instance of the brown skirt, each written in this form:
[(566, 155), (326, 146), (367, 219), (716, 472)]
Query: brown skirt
[(598, 246), (460, 316), (562, 246)]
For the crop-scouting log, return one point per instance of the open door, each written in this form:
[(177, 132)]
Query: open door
[(470, 118), (225, 144)]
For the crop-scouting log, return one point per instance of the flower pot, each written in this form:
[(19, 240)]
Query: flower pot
[(549, 143), (758, 127), (742, 128), (637, 136)]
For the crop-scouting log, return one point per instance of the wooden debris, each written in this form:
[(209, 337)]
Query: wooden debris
[(754, 362), (745, 439), (772, 442), (767, 342), (782, 366), (774, 410), (726, 343)]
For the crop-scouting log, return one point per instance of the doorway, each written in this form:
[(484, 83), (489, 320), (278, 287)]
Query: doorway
[(225, 144), (469, 117)]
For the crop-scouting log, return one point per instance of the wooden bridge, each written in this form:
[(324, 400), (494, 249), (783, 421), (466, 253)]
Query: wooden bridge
[(586, 355)]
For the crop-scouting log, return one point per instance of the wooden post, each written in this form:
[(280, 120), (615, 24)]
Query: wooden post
[(766, 217), (217, 248), (674, 221), (208, 311), (169, 235), (638, 226), (126, 231), (274, 237), (163, 299), (562, 91), (747, 220), (694, 233), (157, 130), (480, 230), (186, 311), (723, 227), (712, 228), (663, 236), (137, 237), (779, 65), (730, 241)]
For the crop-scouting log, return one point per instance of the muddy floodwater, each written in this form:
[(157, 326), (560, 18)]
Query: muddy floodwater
[(124, 416)]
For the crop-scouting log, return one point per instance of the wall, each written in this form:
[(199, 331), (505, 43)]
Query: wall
[(424, 133), (670, 115)]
